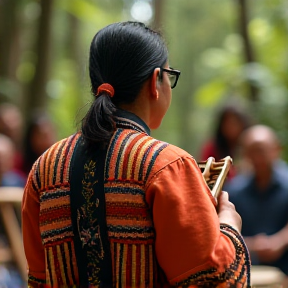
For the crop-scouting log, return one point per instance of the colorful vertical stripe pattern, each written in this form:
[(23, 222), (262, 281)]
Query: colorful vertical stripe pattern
[(129, 161), (51, 180), (133, 265), (61, 268), (131, 156)]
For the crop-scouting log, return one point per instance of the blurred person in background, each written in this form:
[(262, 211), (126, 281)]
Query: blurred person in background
[(10, 277), (11, 125), (39, 136), (9, 176), (260, 195), (230, 123), (9, 274), (111, 206)]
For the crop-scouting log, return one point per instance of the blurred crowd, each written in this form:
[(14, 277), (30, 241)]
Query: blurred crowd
[(20, 145), (257, 184)]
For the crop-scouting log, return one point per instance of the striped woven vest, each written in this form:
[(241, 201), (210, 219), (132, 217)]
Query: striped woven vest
[(51, 179), (129, 161)]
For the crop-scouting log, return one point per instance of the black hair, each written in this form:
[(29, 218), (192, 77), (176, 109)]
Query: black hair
[(37, 118), (222, 146), (123, 55)]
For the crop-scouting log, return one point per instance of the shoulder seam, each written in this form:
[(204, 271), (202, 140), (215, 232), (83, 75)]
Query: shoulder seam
[(180, 158), (131, 155)]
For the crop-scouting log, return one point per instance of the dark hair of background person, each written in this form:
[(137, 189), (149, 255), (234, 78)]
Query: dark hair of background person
[(11, 122), (223, 146), (123, 55), (40, 135)]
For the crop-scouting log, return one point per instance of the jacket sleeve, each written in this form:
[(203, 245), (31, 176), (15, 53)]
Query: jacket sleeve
[(191, 246), (33, 247)]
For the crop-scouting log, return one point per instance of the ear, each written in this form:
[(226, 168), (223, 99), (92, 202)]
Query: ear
[(154, 86)]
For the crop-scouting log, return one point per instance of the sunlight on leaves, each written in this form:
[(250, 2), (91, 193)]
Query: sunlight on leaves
[(84, 10), (210, 94), (260, 30)]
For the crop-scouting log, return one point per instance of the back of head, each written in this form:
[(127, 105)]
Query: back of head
[(11, 121), (259, 133), (232, 121), (261, 146), (6, 154), (39, 136), (123, 55)]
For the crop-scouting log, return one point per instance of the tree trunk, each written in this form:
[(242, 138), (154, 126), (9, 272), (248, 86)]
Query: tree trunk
[(37, 98), (248, 49), (158, 7), (8, 27), (75, 53), (9, 50)]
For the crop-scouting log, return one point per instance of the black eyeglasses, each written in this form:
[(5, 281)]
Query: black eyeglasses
[(172, 74)]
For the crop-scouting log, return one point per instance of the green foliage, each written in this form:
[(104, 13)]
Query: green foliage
[(190, 28), (69, 85), (204, 43), (208, 49), (210, 94)]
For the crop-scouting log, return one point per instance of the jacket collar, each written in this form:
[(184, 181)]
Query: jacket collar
[(127, 120)]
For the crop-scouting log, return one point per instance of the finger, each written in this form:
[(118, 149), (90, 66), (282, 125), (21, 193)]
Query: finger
[(224, 197)]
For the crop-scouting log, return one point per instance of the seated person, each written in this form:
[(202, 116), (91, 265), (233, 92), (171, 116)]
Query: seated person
[(261, 198), (11, 125), (9, 176), (9, 275)]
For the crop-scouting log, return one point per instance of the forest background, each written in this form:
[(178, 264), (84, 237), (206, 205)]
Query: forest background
[(227, 51)]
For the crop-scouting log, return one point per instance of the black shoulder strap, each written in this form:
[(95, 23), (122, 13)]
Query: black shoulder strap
[(89, 216)]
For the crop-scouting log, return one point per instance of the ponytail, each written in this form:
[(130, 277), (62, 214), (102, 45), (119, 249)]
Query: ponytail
[(98, 125), (124, 55)]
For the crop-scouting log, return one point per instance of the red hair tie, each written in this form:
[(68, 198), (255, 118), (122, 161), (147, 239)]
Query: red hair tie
[(105, 87)]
